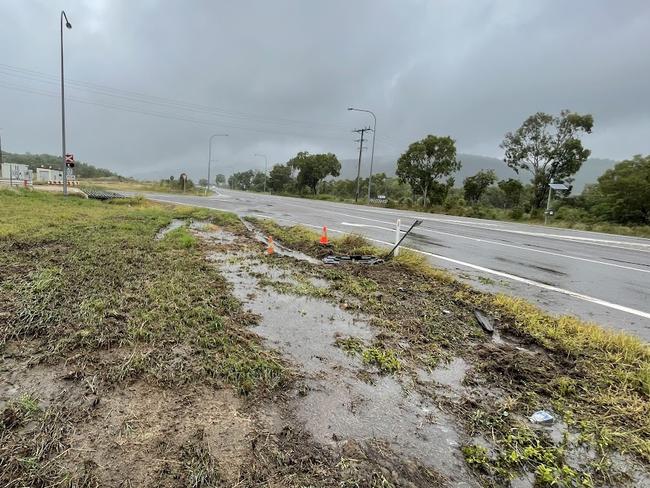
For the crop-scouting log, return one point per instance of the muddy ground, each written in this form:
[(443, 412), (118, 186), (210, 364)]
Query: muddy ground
[(390, 381)]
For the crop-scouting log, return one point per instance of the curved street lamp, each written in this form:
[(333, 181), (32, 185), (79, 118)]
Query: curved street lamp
[(266, 167), (210, 158), (372, 154), (65, 167)]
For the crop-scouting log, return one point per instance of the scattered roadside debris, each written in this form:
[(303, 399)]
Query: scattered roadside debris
[(355, 258), (542, 417), (484, 321)]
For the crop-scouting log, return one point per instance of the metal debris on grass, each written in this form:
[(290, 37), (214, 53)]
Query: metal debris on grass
[(484, 321)]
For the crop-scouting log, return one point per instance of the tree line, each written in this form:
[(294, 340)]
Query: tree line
[(547, 147), (33, 161)]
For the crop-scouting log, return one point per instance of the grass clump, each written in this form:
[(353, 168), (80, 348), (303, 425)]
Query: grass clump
[(384, 359)]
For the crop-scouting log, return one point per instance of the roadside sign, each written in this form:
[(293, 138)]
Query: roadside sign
[(69, 160), (558, 186)]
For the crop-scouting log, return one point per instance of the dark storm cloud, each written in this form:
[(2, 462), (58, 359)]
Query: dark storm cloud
[(280, 75)]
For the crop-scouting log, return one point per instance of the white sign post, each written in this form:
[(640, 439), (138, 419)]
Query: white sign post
[(397, 229)]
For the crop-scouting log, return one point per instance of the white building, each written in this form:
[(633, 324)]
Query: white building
[(49, 175), (45, 175), (16, 173)]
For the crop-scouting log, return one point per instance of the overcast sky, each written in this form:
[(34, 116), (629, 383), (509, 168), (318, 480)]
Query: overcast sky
[(150, 80)]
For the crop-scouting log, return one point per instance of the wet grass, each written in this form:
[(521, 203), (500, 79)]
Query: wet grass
[(596, 380), (87, 279), (87, 285), (385, 360)]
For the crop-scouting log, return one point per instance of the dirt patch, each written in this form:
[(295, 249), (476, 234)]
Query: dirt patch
[(140, 432)]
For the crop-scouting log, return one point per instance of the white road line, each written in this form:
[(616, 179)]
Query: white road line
[(468, 222), (512, 277), (637, 246), (477, 239), (494, 227)]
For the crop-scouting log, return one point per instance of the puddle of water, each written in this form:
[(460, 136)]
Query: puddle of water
[(450, 374), (343, 407), (173, 225), (302, 328), (338, 405), (318, 282), (212, 232)]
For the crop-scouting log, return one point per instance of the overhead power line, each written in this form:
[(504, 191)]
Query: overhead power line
[(280, 125)]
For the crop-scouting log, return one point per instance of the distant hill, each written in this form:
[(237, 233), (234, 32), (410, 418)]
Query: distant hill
[(472, 163), (33, 161)]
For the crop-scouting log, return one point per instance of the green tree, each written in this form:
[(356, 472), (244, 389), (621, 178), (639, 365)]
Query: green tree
[(220, 180), (549, 147), (33, 161), (623, 192), (427, 160), (312, 168), (512, 190), (475, 186), (257, 183), (280, 177), (241, 180), (203, 182)]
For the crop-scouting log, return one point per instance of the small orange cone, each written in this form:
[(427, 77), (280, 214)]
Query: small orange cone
[(323, 238), (271, 248)]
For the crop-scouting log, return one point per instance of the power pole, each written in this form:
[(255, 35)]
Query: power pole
[(360, 141)]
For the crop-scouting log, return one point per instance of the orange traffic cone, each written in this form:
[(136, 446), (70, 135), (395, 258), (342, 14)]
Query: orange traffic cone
[(270, 249), (323, 238)]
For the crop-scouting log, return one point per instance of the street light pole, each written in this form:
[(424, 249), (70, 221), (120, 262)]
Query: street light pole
[(266, 167), (548, 203), (210, 158), (65, 167), (372, 153)]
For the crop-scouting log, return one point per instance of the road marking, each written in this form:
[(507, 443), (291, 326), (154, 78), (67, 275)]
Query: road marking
[(489, 241), (512, 277), (638, 246), (496, 228)]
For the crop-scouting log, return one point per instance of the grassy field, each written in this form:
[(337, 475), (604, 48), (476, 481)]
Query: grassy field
[(118, 184), (127, 360), (85, 285)]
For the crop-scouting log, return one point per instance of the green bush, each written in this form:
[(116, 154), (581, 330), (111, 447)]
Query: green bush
[(517, 213)]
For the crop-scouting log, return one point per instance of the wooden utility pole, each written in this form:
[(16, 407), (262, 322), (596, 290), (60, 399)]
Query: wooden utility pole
[(360, 141)]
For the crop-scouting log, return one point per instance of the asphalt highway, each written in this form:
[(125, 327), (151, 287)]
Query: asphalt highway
[(598, 277)]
